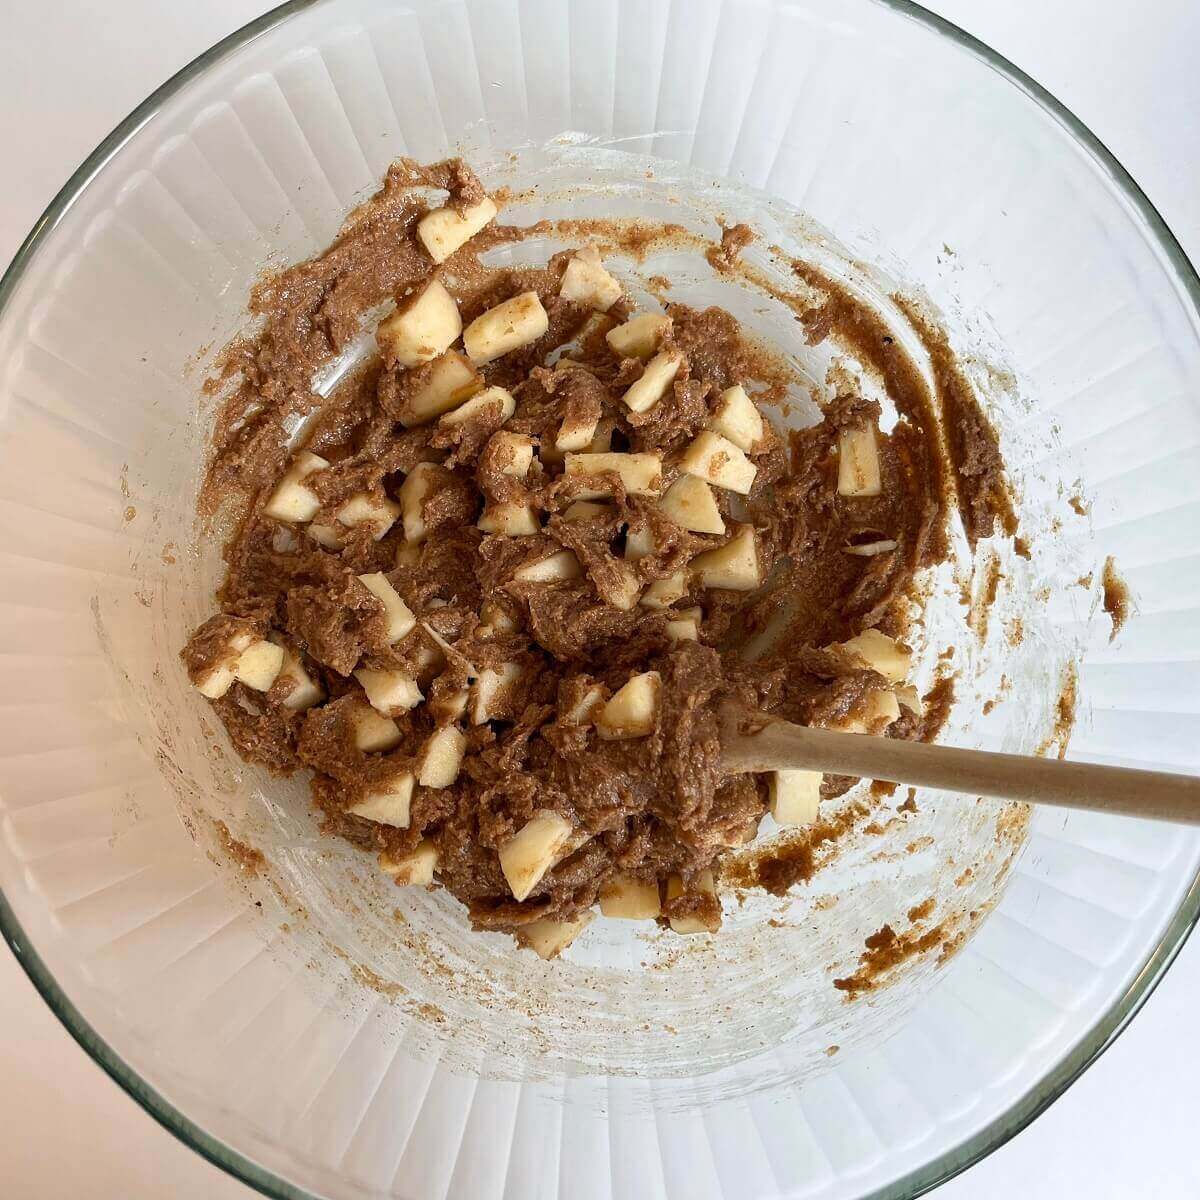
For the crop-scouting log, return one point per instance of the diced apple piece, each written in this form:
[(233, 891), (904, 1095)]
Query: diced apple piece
[(414, 869), (329, 536), (585, 710), (683, 630), (576, 435), (509, 520), (881, 707), (451, 380), (910, 698), (292, 500), (659, 374), (515, 450), (557, 568), (734, 565), (417, 487), (737, 418), (691, 614), (720, 462), (219, 677), (373, 731), (641, 474), (633, 710), (794, 796), (639, 337), (488, 690), (858, 463), (505, 328), (881, 653), (585, 281), (493, 397), (451, 707), (624, 594), (624, 898), (548, 939), (870, 549), (390, 805), (442, 757), (495, 619), (533, 850), (689, 502), (662, 593), (423, 326), (306, 691), (259, 665), (582, 510), (390, 692), (408, 554), (398, 615), (445, 230), (639, 543), (693, 924), (366, 509)]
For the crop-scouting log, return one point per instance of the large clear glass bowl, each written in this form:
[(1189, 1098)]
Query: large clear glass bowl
[(317, 1034)]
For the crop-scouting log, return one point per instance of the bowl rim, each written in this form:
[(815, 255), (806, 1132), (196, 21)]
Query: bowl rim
[(922, 1179)]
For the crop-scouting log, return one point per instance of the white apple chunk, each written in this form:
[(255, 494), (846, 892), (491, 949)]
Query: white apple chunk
[(495, 619), (585, 710), (639, 543), (419, 484), (445, 230), (390, 805), (583, 510), (219, 677), (390, 692), (329, 536), (305, 691), (292, 500), (548, 939), (372, 731), (509, 520), (424, 326), (414, 869), (689, 502), (737, 418), (717, 460), (367, 509), (693, 924), (662, 593), (870, 549), (641, 474), (398, 616), (533, 850), (451, 380), (493, 397), (683, 629), (632, 712), (585, 281), (575, 434), (734, 566), (794, 796), (638, 337), (660, 372), (514, 450), (442, 757), (858, 463), (560, 567), (451, 707), (258, 666), (624, 898), (881, 653), (910, 698), (881, 708), (622, 594), (505, 328), (487, 692)]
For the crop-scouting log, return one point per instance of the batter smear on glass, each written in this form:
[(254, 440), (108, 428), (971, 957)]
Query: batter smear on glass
[(494, 595)]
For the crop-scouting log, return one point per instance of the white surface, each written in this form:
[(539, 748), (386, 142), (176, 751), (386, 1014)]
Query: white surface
[(69, 72)]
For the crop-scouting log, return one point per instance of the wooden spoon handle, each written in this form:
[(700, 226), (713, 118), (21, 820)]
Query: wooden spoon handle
[(1156, 795)]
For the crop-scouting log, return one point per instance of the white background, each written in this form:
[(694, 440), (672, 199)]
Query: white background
[(71, 69)]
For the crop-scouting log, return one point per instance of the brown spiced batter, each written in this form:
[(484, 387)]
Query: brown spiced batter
[(653, 807)]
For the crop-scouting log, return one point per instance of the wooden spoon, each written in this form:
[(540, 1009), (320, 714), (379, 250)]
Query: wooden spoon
[(779, 746)]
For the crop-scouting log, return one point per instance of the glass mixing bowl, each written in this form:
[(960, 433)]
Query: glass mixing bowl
[(257, 988)]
